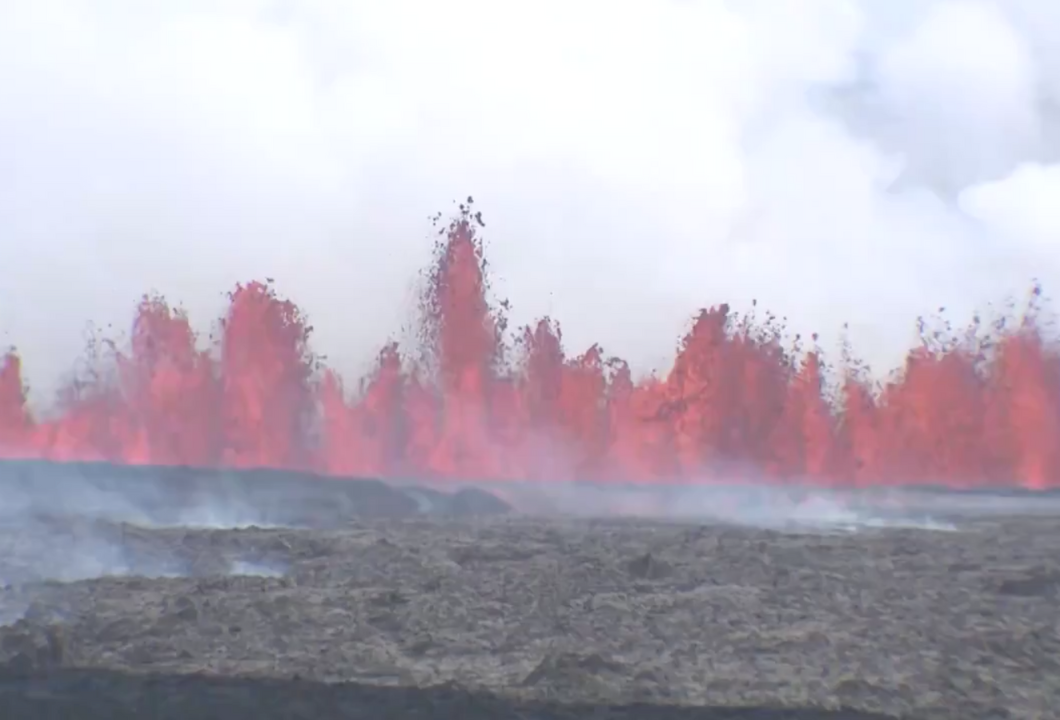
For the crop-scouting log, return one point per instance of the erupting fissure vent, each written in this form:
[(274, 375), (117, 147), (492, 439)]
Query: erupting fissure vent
[(975, 409)]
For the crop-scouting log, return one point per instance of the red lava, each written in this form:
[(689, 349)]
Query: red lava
[(741, 402)]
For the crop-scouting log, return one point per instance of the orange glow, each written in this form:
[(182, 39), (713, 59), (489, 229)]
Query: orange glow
[(740, 402)]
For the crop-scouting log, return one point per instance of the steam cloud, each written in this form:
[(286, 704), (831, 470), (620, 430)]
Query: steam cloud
[(839, 161), (70, 528)]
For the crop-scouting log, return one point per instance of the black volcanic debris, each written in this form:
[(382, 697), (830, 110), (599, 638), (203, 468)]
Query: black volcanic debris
[(403, 602)]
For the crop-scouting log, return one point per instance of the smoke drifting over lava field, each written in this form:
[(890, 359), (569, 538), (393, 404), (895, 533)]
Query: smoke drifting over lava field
[(734, 391), (239, 594)]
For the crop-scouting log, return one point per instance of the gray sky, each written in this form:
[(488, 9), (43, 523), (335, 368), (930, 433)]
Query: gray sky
[(855, 161)]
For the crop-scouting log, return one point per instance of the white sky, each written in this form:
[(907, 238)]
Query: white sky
[(856, 161)]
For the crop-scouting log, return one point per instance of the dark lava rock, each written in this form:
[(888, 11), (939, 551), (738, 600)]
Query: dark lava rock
[(467, 502), (1037, 583), (473, 501), (26, 647), (571, 670), (648, 567)]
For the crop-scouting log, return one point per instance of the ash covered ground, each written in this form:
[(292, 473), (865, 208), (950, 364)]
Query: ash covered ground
[(143, 593)]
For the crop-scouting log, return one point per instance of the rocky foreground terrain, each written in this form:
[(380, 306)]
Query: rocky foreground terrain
[(513, 617)]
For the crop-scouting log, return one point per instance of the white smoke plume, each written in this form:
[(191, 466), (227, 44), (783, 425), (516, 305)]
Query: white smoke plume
[(837, 160)]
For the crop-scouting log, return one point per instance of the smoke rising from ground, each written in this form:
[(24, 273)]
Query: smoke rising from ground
[(838, 161), (761, 505), (69, 527), (59, 523), (76, 529), (68, 522)]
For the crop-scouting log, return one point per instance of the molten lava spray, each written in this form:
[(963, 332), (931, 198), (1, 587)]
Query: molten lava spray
[(470, 402)]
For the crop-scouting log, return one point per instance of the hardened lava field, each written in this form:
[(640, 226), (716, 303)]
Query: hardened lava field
[(360, 600), (506, 616)]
